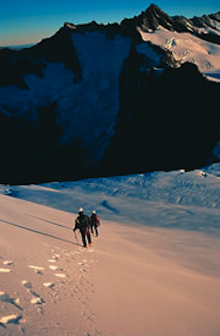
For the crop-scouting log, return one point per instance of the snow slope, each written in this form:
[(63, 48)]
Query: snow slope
[(124, 198), (153, 270), (186, 47)]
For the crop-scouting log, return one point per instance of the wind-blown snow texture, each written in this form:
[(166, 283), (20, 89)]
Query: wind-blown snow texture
[(136, 198)]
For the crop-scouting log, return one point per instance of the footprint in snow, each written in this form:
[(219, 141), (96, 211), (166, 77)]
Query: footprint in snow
[(8, 262), (53, 267), (5, 270), (27, 284), (37, 299), (55, 256), (49, 284), (60, 275), (15, 319), (38, 268), (4, 297)]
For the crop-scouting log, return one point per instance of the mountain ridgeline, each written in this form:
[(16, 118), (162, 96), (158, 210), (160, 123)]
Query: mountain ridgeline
[(101, 100)]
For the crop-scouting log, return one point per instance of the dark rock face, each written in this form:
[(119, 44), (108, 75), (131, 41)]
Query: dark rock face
[(32, 151), (58, 49), (207, 21), (167, 118), (154, 17), (164, 123), (15, 65)]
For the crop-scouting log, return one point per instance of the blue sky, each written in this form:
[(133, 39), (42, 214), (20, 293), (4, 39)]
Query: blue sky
[(28, 21)]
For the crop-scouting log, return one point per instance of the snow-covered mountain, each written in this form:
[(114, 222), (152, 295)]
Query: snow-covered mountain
[(110, 99)]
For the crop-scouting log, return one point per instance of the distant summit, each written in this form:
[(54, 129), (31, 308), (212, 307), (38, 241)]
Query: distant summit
[(153, 18), (18, 47)]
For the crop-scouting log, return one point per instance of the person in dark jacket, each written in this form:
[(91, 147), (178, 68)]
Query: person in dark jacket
[(94, 223), (82, 223)]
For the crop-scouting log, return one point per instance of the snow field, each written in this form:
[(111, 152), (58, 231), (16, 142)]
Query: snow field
[(39, 298), (187, 48), (180, 198), (41, 282), (155, 265)]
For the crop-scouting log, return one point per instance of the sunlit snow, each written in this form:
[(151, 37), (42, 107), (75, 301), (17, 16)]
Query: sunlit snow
[(186, 48)]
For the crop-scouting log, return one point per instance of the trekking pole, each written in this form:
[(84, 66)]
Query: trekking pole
[(76, 237)]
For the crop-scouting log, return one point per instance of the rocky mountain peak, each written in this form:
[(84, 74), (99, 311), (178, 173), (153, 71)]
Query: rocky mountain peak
[(154, 17), (155, 10), (69, 25)]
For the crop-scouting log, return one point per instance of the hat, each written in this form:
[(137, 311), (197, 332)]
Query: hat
[(80, 210), (94, 212)]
